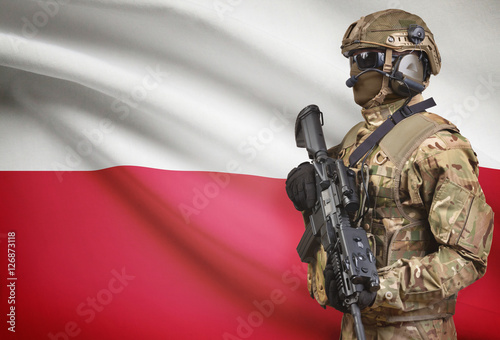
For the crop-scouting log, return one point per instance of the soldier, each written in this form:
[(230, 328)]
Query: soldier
[(425, 212)]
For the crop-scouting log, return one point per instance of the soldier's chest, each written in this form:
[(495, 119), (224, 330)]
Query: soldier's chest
[(388, 210)]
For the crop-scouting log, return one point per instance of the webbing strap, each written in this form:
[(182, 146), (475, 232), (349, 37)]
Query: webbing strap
[(390, 122)]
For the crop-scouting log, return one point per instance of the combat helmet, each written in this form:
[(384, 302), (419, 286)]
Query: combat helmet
[(394, 29), (407, 56)]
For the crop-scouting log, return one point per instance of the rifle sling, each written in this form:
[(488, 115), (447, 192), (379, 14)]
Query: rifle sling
[(390, 122)]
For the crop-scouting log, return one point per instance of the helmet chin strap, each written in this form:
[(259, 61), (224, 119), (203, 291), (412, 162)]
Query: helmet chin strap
[(385, 89)]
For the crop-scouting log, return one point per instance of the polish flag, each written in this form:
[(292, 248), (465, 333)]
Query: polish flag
[(144, 148)]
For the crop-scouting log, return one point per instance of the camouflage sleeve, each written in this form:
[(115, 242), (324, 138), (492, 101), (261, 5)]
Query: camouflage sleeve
[(443, 178)]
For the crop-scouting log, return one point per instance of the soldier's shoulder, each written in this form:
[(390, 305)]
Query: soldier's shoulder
[(438, 120), (447, 138)]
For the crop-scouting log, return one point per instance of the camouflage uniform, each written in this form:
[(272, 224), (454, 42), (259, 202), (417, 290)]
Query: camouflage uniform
[(429, 223)]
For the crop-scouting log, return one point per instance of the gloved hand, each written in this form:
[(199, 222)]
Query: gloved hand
[(365, 298), (301, 186)]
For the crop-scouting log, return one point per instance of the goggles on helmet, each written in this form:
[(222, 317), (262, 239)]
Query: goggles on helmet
[(375, 59), (368, 59)]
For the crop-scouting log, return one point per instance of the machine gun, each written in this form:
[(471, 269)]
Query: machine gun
[(329, 224)]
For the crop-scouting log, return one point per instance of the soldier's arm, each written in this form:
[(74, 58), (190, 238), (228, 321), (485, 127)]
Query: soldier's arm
[(442, 176)]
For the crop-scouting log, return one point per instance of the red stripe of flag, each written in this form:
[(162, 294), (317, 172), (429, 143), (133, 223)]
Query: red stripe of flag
[(131, 252)]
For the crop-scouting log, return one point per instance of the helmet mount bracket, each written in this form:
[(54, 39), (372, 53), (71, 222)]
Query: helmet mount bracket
[(416, 34)]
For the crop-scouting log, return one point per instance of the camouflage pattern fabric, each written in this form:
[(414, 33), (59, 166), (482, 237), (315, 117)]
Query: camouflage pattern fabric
[(431, 227), (389, 29), (438, 329)]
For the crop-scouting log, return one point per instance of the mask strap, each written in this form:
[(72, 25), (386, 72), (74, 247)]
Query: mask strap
[(385, 89)]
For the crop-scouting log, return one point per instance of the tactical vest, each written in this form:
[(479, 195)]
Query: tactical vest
[(397, 231)]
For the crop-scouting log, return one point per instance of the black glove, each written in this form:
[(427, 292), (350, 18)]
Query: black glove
[(365, 298), (301, 186)]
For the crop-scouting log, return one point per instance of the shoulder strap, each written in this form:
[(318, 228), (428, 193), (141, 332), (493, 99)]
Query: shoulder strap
[(400, 142), (382, 130)]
